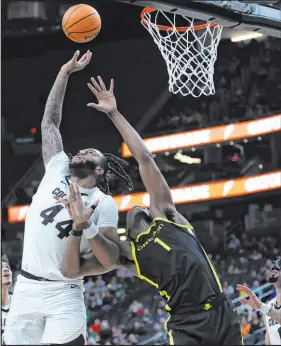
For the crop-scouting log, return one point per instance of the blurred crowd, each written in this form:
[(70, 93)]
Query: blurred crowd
[(248, 83)]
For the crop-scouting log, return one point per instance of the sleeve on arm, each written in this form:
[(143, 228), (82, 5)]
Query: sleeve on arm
[(108, 213)]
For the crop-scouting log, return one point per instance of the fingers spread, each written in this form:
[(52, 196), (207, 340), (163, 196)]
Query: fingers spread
[(76, 55), (93, 90), (98, 88), (101, 83), (94, 105), (245, 289), (111, 85), (243, 301)]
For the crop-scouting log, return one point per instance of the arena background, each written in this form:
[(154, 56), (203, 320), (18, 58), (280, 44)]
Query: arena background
[(228, 188)]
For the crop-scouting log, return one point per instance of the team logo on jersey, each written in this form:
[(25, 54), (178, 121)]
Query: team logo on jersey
[(154, 233), (59, 193)]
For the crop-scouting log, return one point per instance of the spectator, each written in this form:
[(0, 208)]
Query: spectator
[(228, 289), (245, 327)]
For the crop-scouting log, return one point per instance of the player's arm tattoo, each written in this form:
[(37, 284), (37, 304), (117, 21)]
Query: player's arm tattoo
[(51, 137)]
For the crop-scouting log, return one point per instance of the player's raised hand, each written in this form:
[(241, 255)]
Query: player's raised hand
[(80, 214), (77, 210), (74, 64), (252, 301), (106, 99)]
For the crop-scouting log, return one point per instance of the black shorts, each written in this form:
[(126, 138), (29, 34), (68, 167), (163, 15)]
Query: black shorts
[(218, 326)]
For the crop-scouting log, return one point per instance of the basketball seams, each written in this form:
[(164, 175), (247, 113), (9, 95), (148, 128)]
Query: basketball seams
[(83, 32), (76, 7), (85, 23), (80, 20)]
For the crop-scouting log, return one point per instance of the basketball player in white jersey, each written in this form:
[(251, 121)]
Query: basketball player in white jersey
[(272, 310), (47, 307), (6, 297)]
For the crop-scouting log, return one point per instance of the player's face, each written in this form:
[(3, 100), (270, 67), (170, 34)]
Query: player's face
[(6, 274), (86, 158), (85, 162), (137, 221), (275, 277)]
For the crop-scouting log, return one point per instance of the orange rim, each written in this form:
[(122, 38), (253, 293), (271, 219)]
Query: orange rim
[(171, 28)]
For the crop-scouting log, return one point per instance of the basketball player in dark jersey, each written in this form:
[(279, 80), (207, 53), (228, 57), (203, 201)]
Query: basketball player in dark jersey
[(164, 249)]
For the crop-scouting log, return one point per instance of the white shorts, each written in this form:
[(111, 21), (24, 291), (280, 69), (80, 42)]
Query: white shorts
[(45, 313)]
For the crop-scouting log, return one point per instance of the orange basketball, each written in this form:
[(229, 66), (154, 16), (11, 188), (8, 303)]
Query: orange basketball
[(81, 23)]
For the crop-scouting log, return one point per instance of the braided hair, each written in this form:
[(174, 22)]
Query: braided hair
[(114, 166)]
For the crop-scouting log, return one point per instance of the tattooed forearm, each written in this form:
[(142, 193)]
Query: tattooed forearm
[(51, 137)]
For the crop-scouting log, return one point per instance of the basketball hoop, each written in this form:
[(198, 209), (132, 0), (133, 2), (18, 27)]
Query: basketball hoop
[(189, 51)]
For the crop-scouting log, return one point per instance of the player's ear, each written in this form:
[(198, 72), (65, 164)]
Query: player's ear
[(99, 170)]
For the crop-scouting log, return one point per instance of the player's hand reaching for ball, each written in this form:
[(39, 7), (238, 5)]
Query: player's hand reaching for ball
[(106, 99), (79, 213), (74, 64), (252, 301)]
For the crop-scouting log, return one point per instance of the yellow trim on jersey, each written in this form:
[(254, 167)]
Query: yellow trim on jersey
[(188, 227), (162, 293), (171, 339), (165, 294), (166, 322), (138, 267), (145, 232), (213, 270)]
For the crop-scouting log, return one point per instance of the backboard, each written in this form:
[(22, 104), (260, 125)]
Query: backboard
[(244, 15)]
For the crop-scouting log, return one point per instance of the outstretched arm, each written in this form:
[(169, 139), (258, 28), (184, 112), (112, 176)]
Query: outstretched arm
[(255, 303), (51, 137), (73, 266), (154, 181)]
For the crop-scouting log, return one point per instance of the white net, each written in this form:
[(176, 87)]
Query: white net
[(189, 51)]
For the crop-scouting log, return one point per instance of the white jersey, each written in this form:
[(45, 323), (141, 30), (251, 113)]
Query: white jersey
[(48, 224), (274, 329), (4, 314)]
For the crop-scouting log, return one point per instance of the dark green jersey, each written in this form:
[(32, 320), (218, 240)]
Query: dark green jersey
[(170, 257)]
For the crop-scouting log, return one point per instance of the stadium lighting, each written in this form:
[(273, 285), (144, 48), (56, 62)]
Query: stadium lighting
[(246, 37), (121, 230), (186, 159)]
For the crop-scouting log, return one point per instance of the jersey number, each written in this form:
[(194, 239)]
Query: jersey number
[(49, 214), (164, 245)]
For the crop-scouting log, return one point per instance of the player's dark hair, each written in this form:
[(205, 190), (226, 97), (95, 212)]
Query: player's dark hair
[(5, 259), (115, 166)]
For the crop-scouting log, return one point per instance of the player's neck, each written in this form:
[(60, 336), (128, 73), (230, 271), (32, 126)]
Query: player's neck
[(5, 295), (87, 183)]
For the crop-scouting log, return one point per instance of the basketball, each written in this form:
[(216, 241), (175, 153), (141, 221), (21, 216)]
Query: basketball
[(81, 23)]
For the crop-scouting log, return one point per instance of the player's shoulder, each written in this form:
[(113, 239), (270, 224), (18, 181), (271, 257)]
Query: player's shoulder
[(272, 301), (107, 201)]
